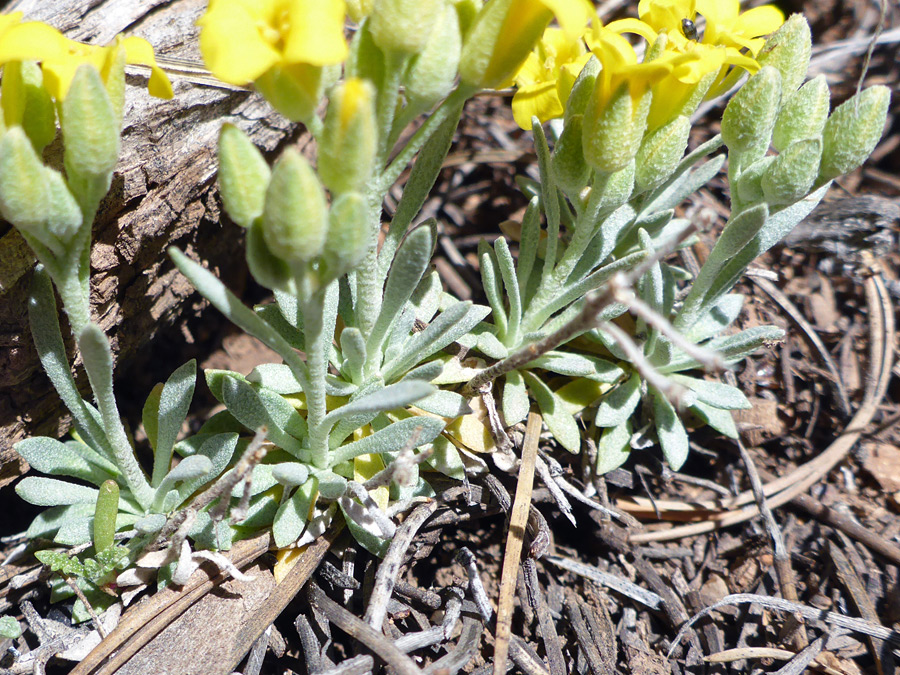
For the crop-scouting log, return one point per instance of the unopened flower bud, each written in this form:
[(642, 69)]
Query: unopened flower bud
[(803, 115), (432, 74), (404, 25), (349, 235), (295, 216), (268, 269), (581, 92), (749, 118), (660, 153), (788, 50), (569, 166), (612, 134), (793, 173), (26, 103), (349, 142), (295, 93), (243, 176), (33, 197), (90, 129), (749, 183), (852, 132)]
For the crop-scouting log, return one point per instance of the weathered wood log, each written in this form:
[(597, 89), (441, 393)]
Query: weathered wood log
[(163, 194)]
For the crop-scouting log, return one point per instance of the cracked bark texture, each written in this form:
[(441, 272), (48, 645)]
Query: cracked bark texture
[(163, 194)]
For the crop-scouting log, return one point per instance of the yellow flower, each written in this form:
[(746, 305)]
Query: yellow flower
[(60, 57), (505, 31), (725, 25), (243, 39), (545, 79)]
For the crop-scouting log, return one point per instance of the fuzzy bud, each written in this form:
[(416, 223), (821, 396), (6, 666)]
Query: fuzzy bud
[(803, 115), (660, 153), (350, 140), (243, 176), (852, 132), (750, 116), (792, 174), (788, 51)]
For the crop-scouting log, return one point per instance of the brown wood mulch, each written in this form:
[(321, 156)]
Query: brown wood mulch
[(776, 554)]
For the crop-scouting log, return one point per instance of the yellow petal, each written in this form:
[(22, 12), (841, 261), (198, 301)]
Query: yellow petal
[(540, 100), (759, 21), (636, 26), (572, 15), (32, 41), (233, 48), (138, 51), (285, 559), (316, 33)]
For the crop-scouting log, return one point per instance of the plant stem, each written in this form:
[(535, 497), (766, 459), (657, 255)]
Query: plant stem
[(316, 338), (369, 283)]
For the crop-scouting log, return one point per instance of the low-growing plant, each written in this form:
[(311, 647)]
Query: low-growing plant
[(587, 320)]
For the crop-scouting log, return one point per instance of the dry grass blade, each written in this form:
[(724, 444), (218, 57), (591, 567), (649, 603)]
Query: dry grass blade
[(517, 521), (742, 653)]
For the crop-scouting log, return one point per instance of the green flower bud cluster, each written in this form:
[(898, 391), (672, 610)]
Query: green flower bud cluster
[(773, 110), (295, 241)]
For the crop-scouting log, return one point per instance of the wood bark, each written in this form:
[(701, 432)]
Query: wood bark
[(163, 194)]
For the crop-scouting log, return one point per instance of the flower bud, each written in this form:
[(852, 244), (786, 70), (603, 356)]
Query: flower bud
[(792, 174), (749, 184), (803, 115), (27, 104), (466, 11), (90, 129), (349, 142), (295, 216), (612, 135), (852, 132), (578, 99), (404, 25), (788, 50), (243, 176), (660, 153), (569, 166), (294, 92), (268, 269), (358, 10), (619, 187), (432, 74), (33, 197), (349, 235), (750, 115)]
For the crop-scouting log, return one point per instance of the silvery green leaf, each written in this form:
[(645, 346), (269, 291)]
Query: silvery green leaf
[(260, 514), (276, 377), (349, 424), (245, 318), (363, 527), (673, 438), (397, 395), (150, 523), (574, 292), (445, 459), (611, 230), (215, 380), (715, 394), (528, 244), (490, 282), (579, 365), (48, 521), (426, 372), (560, 423), (291, 517), (54, 458), (617, 406), (223, 422), (732, 348), (516, 404), (174, 401), (51, 492), (189, 469), (410, 263), (420, 430), (399, 333), (262, 478), (245, 404), (488, 344), (274, 317), (507, 269), (353, 348), (335, 386), (685, 183), (290, 473), (283, 413), (331, 485), (549, 197), (444, 404), (427, 297), (613, 447), (74, 532), (719, 419), (717, 318)]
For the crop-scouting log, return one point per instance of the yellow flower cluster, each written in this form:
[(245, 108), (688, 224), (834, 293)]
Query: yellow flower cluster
[(679, 57), (60, 57)]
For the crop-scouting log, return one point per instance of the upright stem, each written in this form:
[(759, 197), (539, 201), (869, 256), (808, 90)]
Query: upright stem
[(369, 283), (317, 342)]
